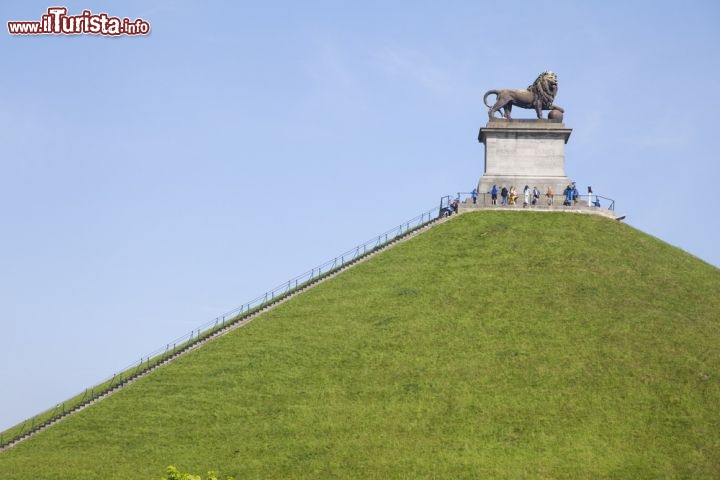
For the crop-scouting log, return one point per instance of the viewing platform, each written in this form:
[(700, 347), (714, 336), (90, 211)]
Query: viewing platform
[(484, 202), (529, 152)]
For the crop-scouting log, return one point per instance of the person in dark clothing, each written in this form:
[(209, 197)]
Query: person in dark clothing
[(504, 195), (575, 193)]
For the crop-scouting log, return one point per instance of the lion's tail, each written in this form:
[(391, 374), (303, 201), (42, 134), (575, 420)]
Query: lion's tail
[(487, 94)]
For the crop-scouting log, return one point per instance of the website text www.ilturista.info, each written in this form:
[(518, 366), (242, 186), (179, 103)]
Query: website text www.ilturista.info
[(57, 22)]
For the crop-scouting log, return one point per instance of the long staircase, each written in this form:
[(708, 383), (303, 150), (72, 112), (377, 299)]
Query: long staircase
[(224, 324), (247, 312)]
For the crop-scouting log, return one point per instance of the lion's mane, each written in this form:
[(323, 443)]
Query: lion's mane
[(545, 88)]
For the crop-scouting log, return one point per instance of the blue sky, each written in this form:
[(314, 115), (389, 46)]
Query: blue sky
[(150, 183)]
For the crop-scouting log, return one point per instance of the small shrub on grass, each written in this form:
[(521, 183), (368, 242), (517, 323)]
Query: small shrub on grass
[(172, 473)]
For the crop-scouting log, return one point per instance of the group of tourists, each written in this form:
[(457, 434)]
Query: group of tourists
[(531, 196), (571, 195), (452, 207)]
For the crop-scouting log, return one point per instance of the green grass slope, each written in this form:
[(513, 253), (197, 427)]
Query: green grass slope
[(495, 345)]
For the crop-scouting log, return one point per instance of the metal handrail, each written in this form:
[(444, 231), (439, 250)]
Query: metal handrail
[(582, 199), (217, 324), (237, 314)]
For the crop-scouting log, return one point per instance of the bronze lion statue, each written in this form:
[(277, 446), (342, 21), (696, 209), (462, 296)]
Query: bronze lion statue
[(539, 96)]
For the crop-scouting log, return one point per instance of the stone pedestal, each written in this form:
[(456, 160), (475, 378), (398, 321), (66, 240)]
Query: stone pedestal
[(524, 152)]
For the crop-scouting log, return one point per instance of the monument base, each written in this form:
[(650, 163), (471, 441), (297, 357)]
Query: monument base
[(524, 152), (557, 184)]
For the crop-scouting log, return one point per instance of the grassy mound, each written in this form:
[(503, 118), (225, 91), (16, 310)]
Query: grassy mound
[(496, 345)]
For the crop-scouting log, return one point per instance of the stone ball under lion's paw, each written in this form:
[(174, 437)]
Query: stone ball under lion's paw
[(555, 115)]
